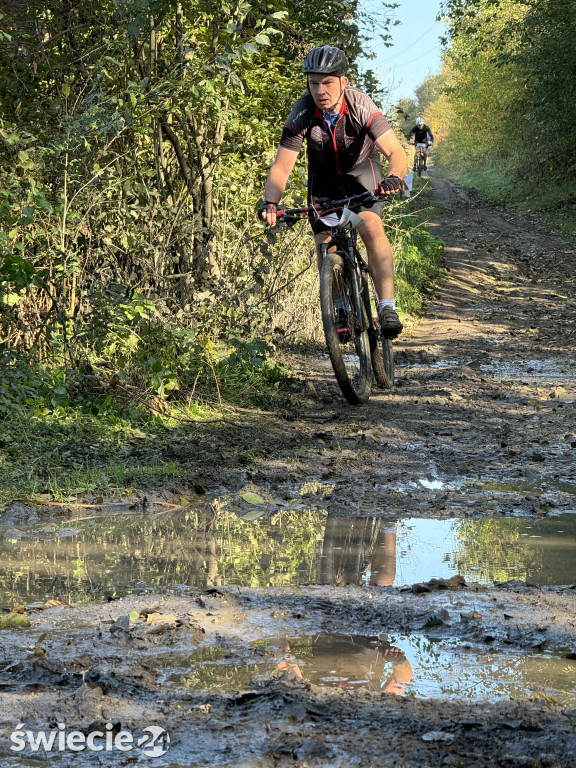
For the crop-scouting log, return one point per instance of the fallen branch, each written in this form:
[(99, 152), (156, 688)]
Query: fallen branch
[(40, 503)]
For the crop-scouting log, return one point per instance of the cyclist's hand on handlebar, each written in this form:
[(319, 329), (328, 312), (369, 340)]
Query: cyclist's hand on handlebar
[(389, 185), (267, 213)]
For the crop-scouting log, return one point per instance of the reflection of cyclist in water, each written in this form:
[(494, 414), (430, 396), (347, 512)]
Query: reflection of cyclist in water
[(371, 661), (357, 550)]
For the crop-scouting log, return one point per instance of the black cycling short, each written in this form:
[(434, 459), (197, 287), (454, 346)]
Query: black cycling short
[(363, 178)]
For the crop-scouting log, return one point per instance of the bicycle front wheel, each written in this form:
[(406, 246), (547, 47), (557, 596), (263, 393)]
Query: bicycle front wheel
[(382, 358), (346, 333)]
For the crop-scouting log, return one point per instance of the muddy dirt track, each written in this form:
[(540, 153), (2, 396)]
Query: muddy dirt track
[(480, 425)]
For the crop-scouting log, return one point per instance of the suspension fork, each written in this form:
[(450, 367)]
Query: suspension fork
[(346, 245)]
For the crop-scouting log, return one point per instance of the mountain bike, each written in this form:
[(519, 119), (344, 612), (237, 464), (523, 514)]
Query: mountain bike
[(419, 157), (348, 300)]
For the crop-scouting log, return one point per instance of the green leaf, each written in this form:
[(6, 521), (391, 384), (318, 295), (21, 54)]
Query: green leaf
[(254, 514), (250, 48), (27, 216), (19, 271), (236, 83), (252, 498)]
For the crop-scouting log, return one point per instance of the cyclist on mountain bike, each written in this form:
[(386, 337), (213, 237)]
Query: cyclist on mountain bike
[(344, 131), (423, 137)]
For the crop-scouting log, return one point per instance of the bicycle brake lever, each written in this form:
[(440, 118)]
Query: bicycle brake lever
[(287, 219)]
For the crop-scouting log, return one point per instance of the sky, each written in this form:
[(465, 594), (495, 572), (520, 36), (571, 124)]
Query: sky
[(415, 53)]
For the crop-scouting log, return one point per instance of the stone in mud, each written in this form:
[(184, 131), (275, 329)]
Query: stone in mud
[(438, 736), (455, 582), (437, 619), (122, 623)]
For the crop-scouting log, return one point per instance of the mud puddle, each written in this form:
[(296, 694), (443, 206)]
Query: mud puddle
[(531, 371), (470, 449), (545, 372), (499, 483), (126, 555), (412, 664)]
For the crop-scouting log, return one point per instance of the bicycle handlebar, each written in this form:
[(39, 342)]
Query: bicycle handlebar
[(328, 206)]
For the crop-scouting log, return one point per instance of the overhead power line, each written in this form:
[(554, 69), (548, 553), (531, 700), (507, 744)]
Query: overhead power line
[(421, 56), (407, 47)]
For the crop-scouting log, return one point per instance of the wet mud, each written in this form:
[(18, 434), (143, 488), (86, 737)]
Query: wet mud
[(315, 649)]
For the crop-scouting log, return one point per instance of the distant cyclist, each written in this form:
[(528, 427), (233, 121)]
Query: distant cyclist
[(345, 132), (423, 136)]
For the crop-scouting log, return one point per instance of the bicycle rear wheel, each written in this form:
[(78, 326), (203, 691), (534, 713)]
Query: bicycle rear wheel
[(382, 356), (349, 352)]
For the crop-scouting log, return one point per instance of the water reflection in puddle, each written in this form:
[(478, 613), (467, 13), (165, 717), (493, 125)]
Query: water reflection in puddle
[(199, 548), (532, 482), (433, 485), (537, 371), (414, 550), (400, 664), (533, 371), (435, 364)]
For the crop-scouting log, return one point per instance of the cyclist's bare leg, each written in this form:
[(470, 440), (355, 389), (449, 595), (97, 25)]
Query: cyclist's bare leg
[(321, 237), (380, 255)]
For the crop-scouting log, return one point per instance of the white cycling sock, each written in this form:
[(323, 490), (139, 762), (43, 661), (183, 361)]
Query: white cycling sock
[(386, 303)]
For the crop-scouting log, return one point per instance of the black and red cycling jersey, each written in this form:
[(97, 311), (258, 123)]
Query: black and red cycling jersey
[(341, 148)]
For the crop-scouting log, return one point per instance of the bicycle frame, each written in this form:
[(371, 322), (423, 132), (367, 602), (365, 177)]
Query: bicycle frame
[(343, 238), (346, 242)]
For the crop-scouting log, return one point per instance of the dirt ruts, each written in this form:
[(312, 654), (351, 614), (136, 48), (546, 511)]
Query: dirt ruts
[(483, 413)]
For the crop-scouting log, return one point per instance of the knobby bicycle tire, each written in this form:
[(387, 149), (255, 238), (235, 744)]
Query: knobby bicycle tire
[(382, 356), (350, 358), (420, 164)]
